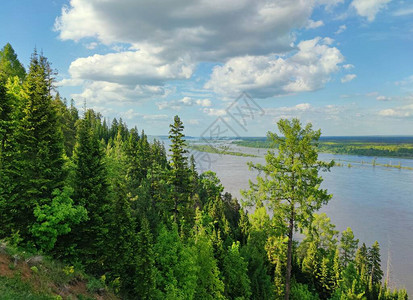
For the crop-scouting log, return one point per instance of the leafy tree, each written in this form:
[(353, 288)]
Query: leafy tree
[(56, 218), (177, 266), (290, 182), (237, 283), (348, 246)]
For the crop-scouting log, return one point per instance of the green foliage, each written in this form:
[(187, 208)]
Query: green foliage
[(237, 283), (301, 291), (10, 66), (176, 267), (290, 181), (348, 246), (108, 200), (56, 219), (33, 167)]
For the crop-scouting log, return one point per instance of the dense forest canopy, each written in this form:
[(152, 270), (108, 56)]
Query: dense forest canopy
[(100, 196)]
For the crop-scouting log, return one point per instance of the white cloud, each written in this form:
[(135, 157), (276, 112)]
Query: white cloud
[(348, 66), (398, 112), (383, 98), (264, 76), (214, 112), (91, 46), (341, 29), (158, 41), (200, 27), (106, 92), (314, 24), (186, 101), (369, 8), (204, 102), (348, 78), (130, 67)]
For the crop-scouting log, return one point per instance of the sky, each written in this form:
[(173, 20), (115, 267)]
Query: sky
[(240, 65)]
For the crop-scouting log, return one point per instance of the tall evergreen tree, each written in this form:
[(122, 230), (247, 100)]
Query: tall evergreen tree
[(291, 183), (35, 153), (348, 246), (10, 66), (91, 191), (180, 173)]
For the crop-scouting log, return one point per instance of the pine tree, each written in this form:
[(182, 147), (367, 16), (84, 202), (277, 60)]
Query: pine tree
[(180, 175), (348, 246), (145, 277), (10, 66), (373, 261), (34, 154), (91, 191)]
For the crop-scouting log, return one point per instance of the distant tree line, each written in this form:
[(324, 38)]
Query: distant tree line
[(103, 198)]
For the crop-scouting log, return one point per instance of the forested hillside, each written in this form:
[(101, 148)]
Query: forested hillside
[(100, 197)]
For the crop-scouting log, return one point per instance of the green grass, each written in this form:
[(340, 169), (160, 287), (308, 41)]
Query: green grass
[(15, 289), (30, 276), (218, 150), (397, 150)]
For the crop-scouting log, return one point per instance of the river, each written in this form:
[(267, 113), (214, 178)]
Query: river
[(376, 202)]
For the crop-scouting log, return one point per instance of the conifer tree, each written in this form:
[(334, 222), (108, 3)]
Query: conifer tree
[(179, 177), (373, 261), (91, 191), (10, 66), (290, 181), (145, 280), (35, 153), (348, 246)]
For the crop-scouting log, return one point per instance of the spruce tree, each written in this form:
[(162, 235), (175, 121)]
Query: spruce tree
[(35, 154), (348, 246), (180, 174), (91, 191), (10, 66)]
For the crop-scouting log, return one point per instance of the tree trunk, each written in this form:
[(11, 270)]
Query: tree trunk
[(289, 256)]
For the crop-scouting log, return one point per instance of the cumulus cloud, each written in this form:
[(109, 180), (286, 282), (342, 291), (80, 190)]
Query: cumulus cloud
[(369, 8), (186, 101), (143, 66), (348, 78), (103, 91), (201, 27), (308, 69), (405, 111), (158, 42)]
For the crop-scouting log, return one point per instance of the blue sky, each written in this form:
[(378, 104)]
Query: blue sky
[(345, 66)]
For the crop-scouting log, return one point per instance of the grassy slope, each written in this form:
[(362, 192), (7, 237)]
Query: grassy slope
[(36, 278)]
